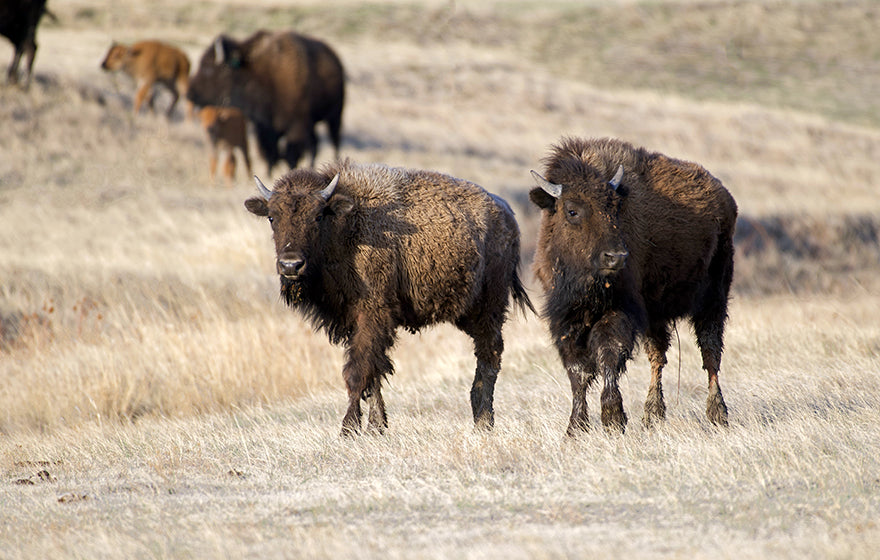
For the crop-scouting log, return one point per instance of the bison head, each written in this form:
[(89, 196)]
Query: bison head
[(115, 58), (580, 224), (303, 212), (222, 77)]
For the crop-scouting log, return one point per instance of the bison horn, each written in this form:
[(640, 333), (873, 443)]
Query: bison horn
[(327, 192), (218, 51), (264, 192), (618, 177), (552, 189)]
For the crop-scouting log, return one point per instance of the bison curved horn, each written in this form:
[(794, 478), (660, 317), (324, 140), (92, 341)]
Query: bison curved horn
[(218, 51), (552, 189), (327, 192), (264, 192), (618, 177)]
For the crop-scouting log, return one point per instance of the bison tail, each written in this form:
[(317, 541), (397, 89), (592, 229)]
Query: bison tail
[(520, 297)]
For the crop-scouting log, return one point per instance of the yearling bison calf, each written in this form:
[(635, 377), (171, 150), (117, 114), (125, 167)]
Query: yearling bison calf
[(631, 241), (150, 63), (364, 249), (227, 131)]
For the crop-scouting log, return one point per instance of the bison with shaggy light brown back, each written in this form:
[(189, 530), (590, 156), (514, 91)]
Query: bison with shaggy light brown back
[(631, 241), (150, 63), (363, 250)]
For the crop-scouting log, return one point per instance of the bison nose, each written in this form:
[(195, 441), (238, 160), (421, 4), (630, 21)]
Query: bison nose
[(614, 260), (291, 267)]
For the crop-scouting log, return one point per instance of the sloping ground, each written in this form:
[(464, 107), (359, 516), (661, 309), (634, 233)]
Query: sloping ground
[(807, 254)]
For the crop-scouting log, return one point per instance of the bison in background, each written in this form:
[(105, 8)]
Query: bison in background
[(227, 131), (365, 249), (18, 22), (283, 82), (630, 241), (151, 63)]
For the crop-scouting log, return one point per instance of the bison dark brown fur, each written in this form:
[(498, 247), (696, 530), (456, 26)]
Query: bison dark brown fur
[(364, 249), (18, 22), (624, 256), (283, 82)]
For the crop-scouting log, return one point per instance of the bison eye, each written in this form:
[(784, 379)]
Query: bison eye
[(319, 217), (573, 213)]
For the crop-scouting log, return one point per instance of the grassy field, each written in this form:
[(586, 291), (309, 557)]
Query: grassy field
[(158, 401)]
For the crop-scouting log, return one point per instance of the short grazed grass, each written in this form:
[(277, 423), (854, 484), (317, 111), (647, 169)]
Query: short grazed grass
[(158, 400)]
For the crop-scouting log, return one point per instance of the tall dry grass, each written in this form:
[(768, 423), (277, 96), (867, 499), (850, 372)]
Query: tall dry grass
[(159, 401)]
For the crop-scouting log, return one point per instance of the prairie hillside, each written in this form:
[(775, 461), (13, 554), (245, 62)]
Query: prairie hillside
[(158, 400)]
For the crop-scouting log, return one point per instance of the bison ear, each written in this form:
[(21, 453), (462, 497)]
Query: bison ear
[(340, 205), (543, 200), (257, 205)]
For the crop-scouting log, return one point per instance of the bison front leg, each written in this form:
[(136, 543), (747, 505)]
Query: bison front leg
[(378, 418), (366, 364), (581, 374), (581, 378), (611, 344)]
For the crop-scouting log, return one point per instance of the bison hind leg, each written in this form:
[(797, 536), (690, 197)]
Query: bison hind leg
[(708, 320), (656, 345), (488, 347)]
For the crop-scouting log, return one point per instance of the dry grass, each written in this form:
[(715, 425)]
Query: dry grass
[(159, 401)]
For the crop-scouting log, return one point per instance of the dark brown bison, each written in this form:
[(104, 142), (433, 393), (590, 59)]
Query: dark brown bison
[(283, 82), (364, 249), (18, 23), (631, 241)]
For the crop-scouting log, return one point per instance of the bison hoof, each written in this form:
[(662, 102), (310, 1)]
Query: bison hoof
[(485, 421), (614, 419), (716, 410), (577, 428), (351, 426), (655, 413)]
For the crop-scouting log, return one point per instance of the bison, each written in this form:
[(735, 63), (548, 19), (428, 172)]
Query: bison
[(227, 130), (150, 63), (18, 22), (365, 249), (283, 82), (631, 241)]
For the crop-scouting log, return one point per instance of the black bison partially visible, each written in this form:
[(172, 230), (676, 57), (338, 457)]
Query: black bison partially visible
[(283, 82), (631, 241), (18, 22), (364, 249)]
